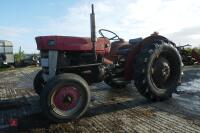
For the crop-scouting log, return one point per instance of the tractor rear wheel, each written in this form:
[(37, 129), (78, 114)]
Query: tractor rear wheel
[(65, 97), (157, 71), (38, 82)]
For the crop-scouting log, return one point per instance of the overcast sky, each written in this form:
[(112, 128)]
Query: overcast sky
[(22, 20)]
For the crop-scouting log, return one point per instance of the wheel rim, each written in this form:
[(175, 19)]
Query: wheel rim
[(161, 72), (66, 100)]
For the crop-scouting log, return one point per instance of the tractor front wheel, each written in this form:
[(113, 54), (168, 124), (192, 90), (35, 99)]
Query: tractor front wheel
[(65, 97), (38, 82), (157, 70)]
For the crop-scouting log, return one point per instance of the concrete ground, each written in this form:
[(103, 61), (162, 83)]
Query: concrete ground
[(112, 110)]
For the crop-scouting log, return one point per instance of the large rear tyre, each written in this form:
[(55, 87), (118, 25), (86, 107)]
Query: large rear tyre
[(157, 71), (65, 97), (38, 82)]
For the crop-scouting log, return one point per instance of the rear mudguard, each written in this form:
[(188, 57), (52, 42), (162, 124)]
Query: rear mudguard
[(129, 66)]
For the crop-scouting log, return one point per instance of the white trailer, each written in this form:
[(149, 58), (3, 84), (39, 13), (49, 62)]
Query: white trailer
[(6, 53)]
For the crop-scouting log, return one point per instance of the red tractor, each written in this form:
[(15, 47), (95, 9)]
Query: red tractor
[(71, 64)]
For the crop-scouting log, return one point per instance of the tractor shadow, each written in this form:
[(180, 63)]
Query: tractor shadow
[(38, 120), (100, 105)]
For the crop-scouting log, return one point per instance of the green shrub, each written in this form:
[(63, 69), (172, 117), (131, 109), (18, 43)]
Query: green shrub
[(197, 49), (19, 56)]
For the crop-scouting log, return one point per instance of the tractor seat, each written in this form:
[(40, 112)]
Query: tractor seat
[(135, 41), (120, 47), (126, 46), (124, 49)]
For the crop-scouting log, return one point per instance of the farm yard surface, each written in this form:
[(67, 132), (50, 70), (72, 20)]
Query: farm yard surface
[(110, 110)]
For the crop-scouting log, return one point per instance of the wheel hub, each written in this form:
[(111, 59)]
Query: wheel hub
[(165, 70), (161, 71), (66, 98)]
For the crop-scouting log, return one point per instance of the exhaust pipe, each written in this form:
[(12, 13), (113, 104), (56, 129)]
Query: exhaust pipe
[(93, 32)]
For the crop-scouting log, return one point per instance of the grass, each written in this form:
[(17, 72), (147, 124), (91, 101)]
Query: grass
[(13, 68), (5, 69)]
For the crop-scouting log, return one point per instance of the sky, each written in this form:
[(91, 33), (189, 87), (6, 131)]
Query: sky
[(22, 20)]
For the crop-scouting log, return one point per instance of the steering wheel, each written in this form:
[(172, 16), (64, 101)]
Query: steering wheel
[(115, 37)]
